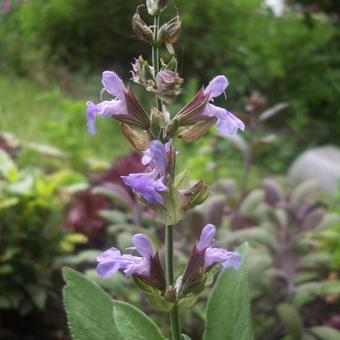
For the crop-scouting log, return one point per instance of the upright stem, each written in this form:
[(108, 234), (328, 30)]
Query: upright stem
[(174, 316), (169, 238), (155, 54)]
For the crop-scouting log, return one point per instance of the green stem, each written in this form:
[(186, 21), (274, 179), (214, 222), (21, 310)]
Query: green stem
[(170, 278), (155, 55), (174, 316)]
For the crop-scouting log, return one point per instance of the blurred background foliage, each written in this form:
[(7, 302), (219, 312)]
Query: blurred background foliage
[(61, 198), (288, 58)]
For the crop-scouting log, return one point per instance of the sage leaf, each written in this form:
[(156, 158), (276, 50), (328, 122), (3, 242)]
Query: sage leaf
[(228, 310)]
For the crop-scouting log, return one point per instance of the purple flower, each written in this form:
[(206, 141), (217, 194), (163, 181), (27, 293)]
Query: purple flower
[(146, 267), (198, 114), (226, 123), (149, 184), (112, 260), (213, 255), (124, 107)]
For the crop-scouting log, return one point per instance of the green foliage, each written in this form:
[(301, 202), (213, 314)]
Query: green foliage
[(72, 32), (228, 311), (289, 270), (325, 333), (92, 314), (133, 324), (30, 234), (291, 320), (283, 57), (53, 118), (89, 309)]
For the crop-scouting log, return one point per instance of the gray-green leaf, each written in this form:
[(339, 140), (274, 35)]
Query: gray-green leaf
[(325, 333), (228, 311), (131, 323), (88, 309)]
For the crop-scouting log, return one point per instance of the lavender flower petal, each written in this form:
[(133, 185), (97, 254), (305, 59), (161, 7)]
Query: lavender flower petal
[(109, 262), (216, 86), (143, 245), (213, 255), (105, 108), (229, 125), (150, 184), (105, 269), (155, 156), (113, 84), (215, 111), (146, 186), (109, 254), (207, 237), (226, 123), (135, 265), (91, 117), (233, 260)]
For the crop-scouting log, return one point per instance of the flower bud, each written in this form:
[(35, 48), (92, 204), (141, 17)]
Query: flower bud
[(196, 195), (171, 128), (168, 85), (170, 31), (139, 138), (141, 29), (142, 74), (156, 7), (194, 132), (157, 122)]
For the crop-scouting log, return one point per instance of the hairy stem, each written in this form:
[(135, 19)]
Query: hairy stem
[(155, 55), (169, 238), (174, 316)]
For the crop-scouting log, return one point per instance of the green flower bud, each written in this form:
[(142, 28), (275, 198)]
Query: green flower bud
[(157, 122), (139, 138), (171, 128), (196, 195), (196, 131)]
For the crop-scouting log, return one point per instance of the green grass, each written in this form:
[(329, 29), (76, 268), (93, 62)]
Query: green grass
[(55, 118)]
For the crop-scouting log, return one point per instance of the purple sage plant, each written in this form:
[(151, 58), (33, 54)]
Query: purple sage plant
[(159, 187)]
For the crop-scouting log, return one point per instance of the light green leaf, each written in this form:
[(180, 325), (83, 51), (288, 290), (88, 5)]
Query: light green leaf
[(228, 311), (325, 333), (291, 320), (6, 164), (133, 324), (185, 337), (88, 309)]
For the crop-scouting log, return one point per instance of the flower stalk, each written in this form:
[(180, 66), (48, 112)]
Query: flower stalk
[(155, 54), (174, 316), (158, 187)]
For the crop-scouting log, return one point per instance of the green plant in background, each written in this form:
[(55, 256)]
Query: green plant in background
[(91, 313), (293, 284), (249, 46), (31, 238)]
